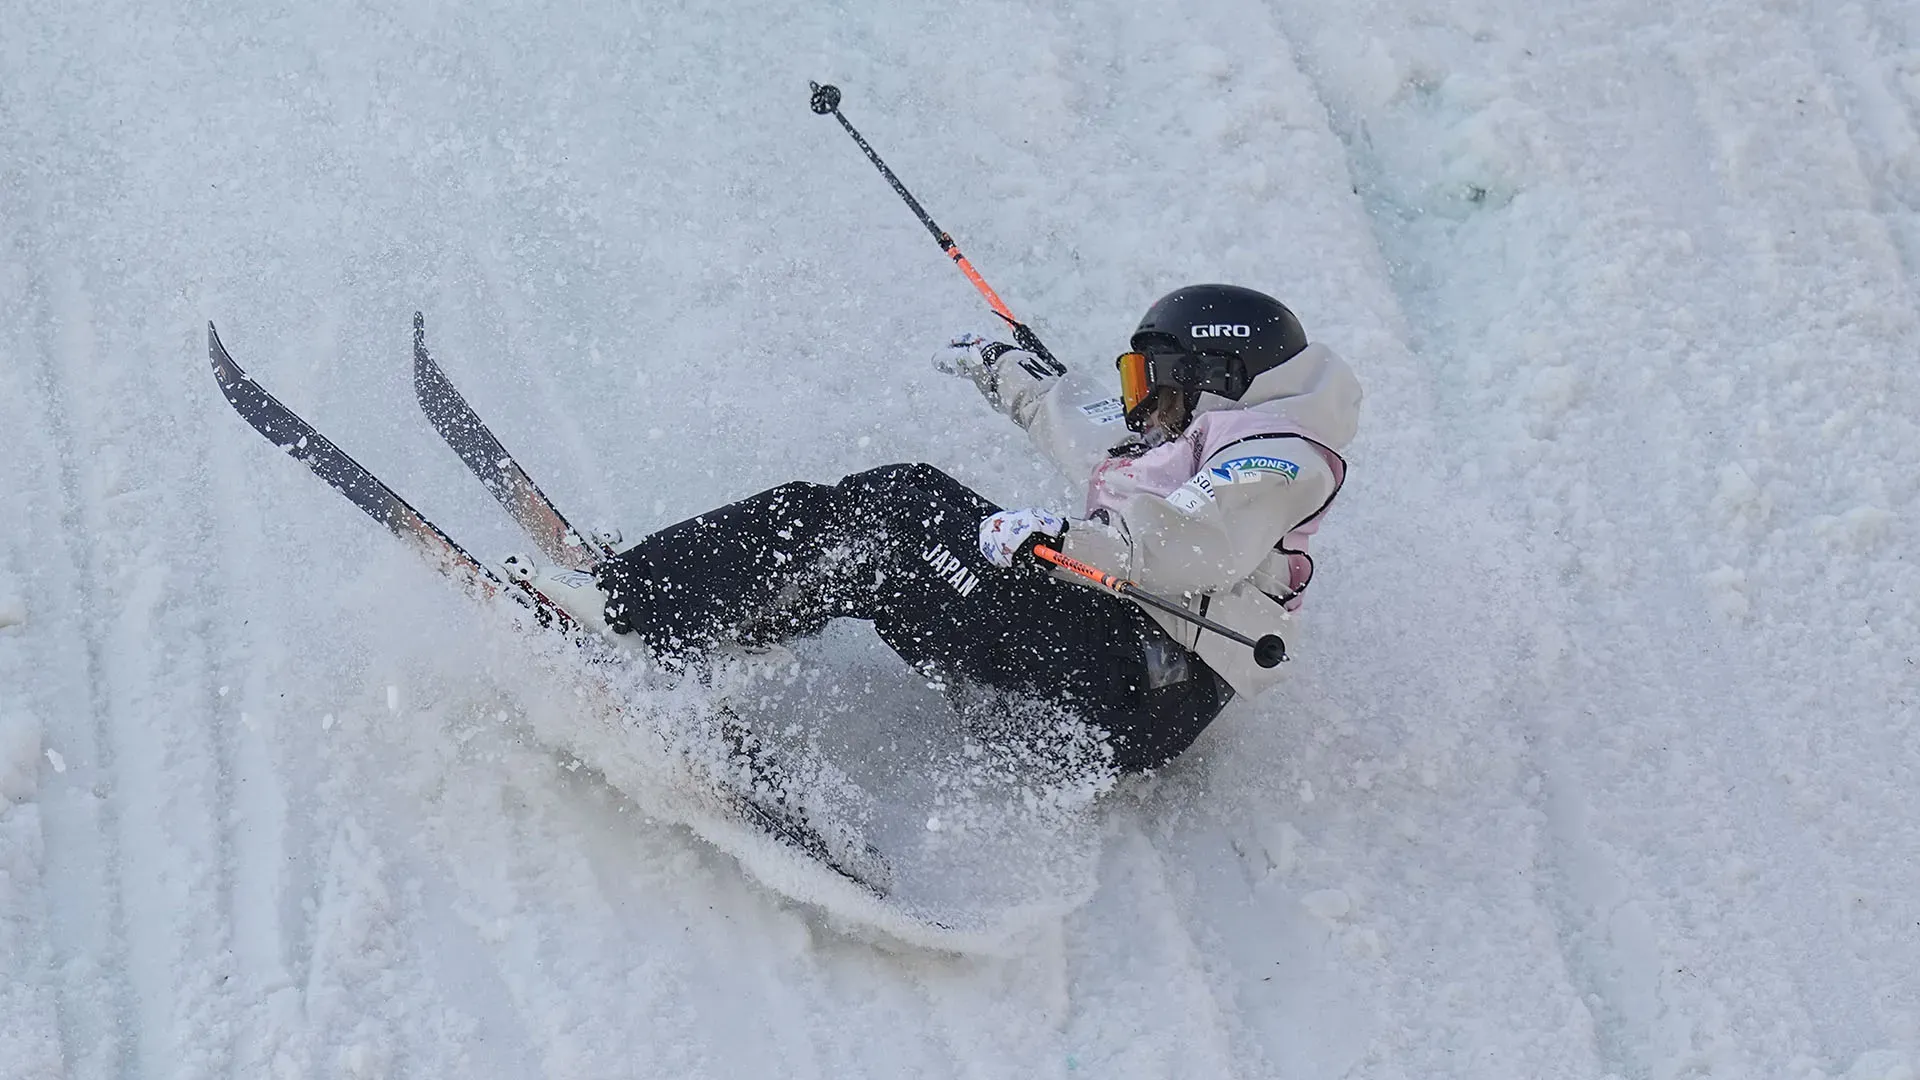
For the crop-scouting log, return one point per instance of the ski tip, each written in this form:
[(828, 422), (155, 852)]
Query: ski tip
[(213, 342)]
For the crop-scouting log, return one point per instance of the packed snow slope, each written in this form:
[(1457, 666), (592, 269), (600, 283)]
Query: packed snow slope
[(1597, 760)]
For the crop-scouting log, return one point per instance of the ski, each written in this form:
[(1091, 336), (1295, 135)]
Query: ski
[(875, 878), (760, 794), (547, 527), (303, 442), (503, 477)]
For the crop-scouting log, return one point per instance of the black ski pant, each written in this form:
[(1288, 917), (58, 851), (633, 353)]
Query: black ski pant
[(898, 547)]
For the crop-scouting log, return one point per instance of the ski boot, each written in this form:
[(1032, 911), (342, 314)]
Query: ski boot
[(572, 591)]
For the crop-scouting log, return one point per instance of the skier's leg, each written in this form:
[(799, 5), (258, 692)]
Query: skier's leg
[(1021, 630), (950, 613), (1182, 696), (898, 546), (693, 585), (780, 564)]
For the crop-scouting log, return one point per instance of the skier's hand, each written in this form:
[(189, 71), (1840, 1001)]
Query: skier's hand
[(1007, 534), (978, 359)]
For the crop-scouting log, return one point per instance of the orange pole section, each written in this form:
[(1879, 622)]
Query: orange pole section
[(986, 290), (1075, 566)]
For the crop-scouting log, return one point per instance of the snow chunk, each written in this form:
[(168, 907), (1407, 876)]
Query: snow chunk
[(1859, 529), (1491, 153), (1281, 845), (1726, 591), (13, 610), (1208, 61), (19, 758), (1328, 904), (1740, 500), (1881, 1065), (1555, 389)]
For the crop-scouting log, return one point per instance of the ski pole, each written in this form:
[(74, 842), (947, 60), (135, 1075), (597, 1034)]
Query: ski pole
[(1268, 650), (826, 102)]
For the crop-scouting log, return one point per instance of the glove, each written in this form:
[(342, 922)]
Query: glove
[(978, 359), (1009, 532)]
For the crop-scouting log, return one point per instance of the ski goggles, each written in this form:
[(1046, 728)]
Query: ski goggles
[(1140, 372)]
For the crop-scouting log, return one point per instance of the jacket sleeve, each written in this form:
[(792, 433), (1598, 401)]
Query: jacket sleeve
[(1073, 419), (1215, 529)]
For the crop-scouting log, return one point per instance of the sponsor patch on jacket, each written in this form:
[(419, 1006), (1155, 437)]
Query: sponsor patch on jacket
[(1186, 500), (1251, 469), (1192, 496), (1104, 411)]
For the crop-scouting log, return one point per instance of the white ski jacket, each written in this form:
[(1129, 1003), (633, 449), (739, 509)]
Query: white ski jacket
[(1219, 517)]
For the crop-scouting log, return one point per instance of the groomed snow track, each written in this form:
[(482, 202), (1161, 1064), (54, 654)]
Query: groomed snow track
[(1597, 761)]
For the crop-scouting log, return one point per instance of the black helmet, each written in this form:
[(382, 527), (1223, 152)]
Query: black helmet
[(1215, 338)]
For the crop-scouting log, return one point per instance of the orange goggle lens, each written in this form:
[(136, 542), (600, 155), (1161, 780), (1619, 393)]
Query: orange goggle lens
[(1134, 386)]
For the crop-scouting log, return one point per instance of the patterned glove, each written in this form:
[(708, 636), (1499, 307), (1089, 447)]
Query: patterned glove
[(978, 359), (1007, 533)]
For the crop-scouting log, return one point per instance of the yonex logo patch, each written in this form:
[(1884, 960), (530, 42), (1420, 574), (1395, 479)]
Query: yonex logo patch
[(1253, 468)]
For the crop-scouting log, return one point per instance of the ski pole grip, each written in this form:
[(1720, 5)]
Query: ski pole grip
[(1024, 337)]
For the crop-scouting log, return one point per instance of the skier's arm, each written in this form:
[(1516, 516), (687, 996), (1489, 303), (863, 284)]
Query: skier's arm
[(1074, 421), (1214, 530), (1071, 419)]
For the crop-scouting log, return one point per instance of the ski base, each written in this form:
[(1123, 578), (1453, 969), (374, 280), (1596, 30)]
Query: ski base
[(494, 467)]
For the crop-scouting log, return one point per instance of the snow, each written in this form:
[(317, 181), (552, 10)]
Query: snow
[(1596, 761)]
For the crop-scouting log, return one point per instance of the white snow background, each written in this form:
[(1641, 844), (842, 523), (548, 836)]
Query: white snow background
[(1598, 762)]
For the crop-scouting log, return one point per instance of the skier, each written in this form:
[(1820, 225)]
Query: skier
[(1206, 476)]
